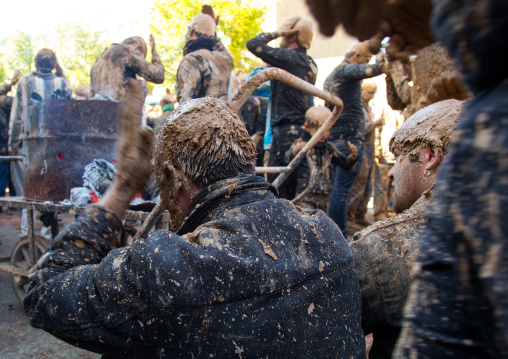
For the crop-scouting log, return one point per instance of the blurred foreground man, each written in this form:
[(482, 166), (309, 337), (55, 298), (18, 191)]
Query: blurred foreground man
[(122, 61), (206, 66), (458, 305), (385, 252), (288, 104), (243, 273)]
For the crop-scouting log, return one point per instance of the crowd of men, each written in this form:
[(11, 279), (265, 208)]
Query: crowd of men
[(245, 272)]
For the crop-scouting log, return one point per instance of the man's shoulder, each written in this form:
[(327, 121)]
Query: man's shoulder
[(398, 231)]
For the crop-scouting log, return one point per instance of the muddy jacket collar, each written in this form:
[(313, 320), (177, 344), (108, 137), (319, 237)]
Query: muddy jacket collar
[(219, 192)]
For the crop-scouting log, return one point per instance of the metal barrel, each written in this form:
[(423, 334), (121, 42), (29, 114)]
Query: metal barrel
[(60, 138)]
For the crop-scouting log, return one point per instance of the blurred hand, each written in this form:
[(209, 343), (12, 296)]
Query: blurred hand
[(152, 44), (58, 69), (353, 150), (208, 10), (448, 86), (287, 26), (15, 78), (134, 145), (360, 18), (407, 23)]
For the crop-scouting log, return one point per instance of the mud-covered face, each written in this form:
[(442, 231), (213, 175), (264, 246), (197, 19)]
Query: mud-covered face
[(169, 187), (407, 174)]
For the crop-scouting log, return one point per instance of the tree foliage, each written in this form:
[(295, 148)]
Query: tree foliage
[(239, 22), (75, 45)]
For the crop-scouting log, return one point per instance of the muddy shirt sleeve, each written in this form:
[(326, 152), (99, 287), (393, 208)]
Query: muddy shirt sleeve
[(372, 299), (4, 88), (188, 79), (150, 71), (84, 295), (355, 72), (288, 156), (392, 97), (340, 159), (275, 56), (401, 83)]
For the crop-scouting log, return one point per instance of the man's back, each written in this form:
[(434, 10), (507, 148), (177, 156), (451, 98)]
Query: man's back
[(345, 81), (288, 103), (117, 63), (246, 275), (204, 73)]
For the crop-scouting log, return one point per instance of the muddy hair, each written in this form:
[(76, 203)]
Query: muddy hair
[(46, 60), (431, 126), (206, 140), (136, 41)]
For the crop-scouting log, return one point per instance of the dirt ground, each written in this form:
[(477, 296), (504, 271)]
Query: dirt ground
[(17, 338)]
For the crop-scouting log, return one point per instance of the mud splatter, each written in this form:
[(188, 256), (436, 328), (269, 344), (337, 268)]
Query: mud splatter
[(268, 250)]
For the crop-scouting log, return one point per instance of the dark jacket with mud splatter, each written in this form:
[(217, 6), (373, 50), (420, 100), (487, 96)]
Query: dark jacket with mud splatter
[(118, 63), (204, 73), (247, 275), (458, 303), (384, 256), (288, 104), (320, 157), (345, 81)]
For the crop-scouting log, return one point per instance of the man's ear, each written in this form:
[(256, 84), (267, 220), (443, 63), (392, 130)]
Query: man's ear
[(430, 157)]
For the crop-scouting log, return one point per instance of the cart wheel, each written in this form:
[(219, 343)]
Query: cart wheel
[(21, 259)]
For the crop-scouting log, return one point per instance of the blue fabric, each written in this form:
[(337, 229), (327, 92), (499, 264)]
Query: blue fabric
[(343, 183)]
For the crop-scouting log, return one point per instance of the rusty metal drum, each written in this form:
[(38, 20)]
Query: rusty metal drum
[(60, 138)]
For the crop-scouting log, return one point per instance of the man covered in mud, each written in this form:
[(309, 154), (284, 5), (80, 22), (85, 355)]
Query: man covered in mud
[(242, 274), (345, 81), (206, 67), (288, 104), (122, 61), (385, 252), (42, 84)]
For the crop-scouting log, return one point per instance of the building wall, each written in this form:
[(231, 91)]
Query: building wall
[(322, 47)]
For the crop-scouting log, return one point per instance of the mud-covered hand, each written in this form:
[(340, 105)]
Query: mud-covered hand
[(208, 10), (287, 27), (58, 69), (449, 85), (407, 23), (15, 78), (353, 151), (152, 44), (360, 18), (298, 146), (133, 149)]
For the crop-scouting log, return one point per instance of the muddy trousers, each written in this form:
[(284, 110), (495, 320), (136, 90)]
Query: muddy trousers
[(283, 138), (17, 181), (362, 188), (343, 182)]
